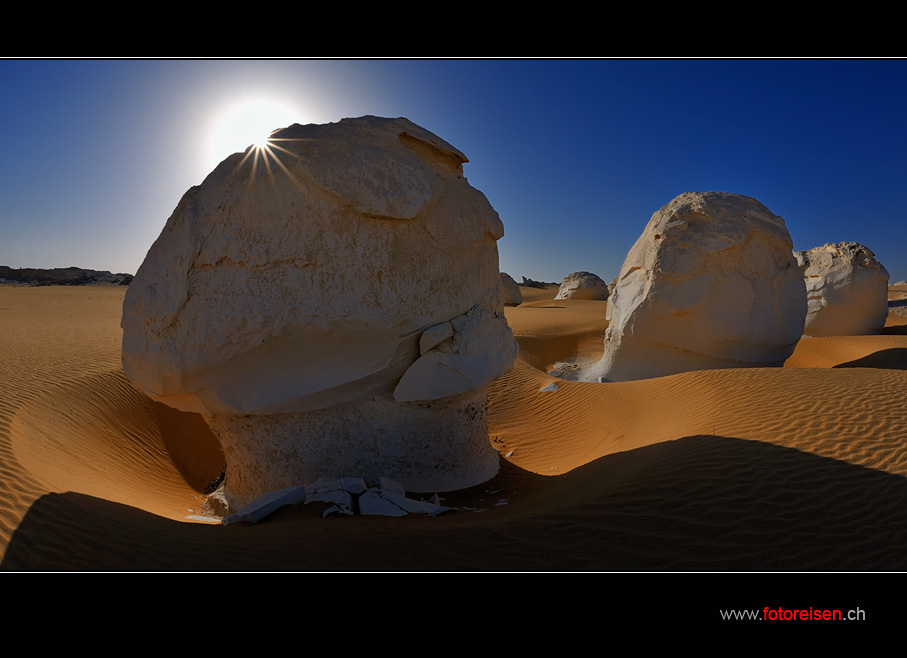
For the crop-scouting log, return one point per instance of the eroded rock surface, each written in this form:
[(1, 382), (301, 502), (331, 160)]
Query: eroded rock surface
[(287, 297), (582, 285), (847, 290), (710, 283)]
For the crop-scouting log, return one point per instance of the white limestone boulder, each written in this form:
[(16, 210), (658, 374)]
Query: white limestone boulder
[(582, 285), (711, 283), (847, 290), (286, 300), (513, 296)]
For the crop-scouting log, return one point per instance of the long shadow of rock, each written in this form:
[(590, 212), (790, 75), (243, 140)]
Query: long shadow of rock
[(894, 358), (701, 503)]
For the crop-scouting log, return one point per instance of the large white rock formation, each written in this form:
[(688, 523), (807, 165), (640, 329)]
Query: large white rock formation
[(582, 285), (847, 290), (332, 308), (513, 296), (711, 283)]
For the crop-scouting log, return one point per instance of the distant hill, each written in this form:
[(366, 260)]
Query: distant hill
[(61, 276)]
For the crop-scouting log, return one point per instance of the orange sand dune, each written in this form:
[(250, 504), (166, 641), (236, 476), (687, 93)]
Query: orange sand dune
[(795, 468)]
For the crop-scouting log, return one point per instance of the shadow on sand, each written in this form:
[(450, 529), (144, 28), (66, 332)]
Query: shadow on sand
[(700, 503)]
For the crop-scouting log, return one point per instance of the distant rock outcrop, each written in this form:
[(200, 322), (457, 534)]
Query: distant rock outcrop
[(61, 276), (529, 283), (513, 296), (847, 290), (711, 283), (582, 285), (338, 313)]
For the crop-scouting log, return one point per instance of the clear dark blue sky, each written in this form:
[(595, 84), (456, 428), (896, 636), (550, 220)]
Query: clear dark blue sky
[(575, 155)]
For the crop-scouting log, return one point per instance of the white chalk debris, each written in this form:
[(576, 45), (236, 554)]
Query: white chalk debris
[(266, 504)]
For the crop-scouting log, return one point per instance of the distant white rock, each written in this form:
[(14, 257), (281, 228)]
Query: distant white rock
[(900, 284), (582, 285), (847, 290), (338, 311), (711, 283), (513, 296)]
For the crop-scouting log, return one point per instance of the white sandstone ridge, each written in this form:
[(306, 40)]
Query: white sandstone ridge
[(711, 283), (847, 290), (334, 306), (582, 285), (513, 296)]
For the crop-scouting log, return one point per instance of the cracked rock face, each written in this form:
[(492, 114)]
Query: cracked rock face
[(333, 308), (710, 283), (847, 290), (582, 285)]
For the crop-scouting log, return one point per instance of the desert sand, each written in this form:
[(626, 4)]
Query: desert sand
[(798, 468)]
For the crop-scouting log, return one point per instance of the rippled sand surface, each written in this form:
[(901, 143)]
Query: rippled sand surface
[(795, 468)]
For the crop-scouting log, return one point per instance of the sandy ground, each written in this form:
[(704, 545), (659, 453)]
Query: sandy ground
[(794, 468)]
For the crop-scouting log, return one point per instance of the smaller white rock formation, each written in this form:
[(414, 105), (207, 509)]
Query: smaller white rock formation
[(847, 290), (513, 296), (582, 285), (711, 283)]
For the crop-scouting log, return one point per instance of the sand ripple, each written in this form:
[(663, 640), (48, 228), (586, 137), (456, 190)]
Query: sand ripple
[(796, 468)]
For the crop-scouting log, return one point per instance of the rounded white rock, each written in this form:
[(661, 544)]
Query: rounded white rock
[(294, 285), (711, 283)]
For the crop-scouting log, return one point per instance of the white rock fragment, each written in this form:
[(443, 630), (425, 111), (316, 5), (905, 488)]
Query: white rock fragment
[(387, 484), (551, 388), (582, 285), (711, 283), (204, 519), (434, 336), (354, 486), (412, 506), (372, 503), (467, 364), (847, 290), (343, 500), (266, 504), (287, 302)]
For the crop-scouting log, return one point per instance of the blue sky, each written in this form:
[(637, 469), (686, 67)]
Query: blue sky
[(575, 155)]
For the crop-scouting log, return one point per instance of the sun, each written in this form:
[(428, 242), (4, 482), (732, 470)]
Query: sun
[(246, 124)]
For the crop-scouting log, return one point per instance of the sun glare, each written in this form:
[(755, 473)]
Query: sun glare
[(248, 124)]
